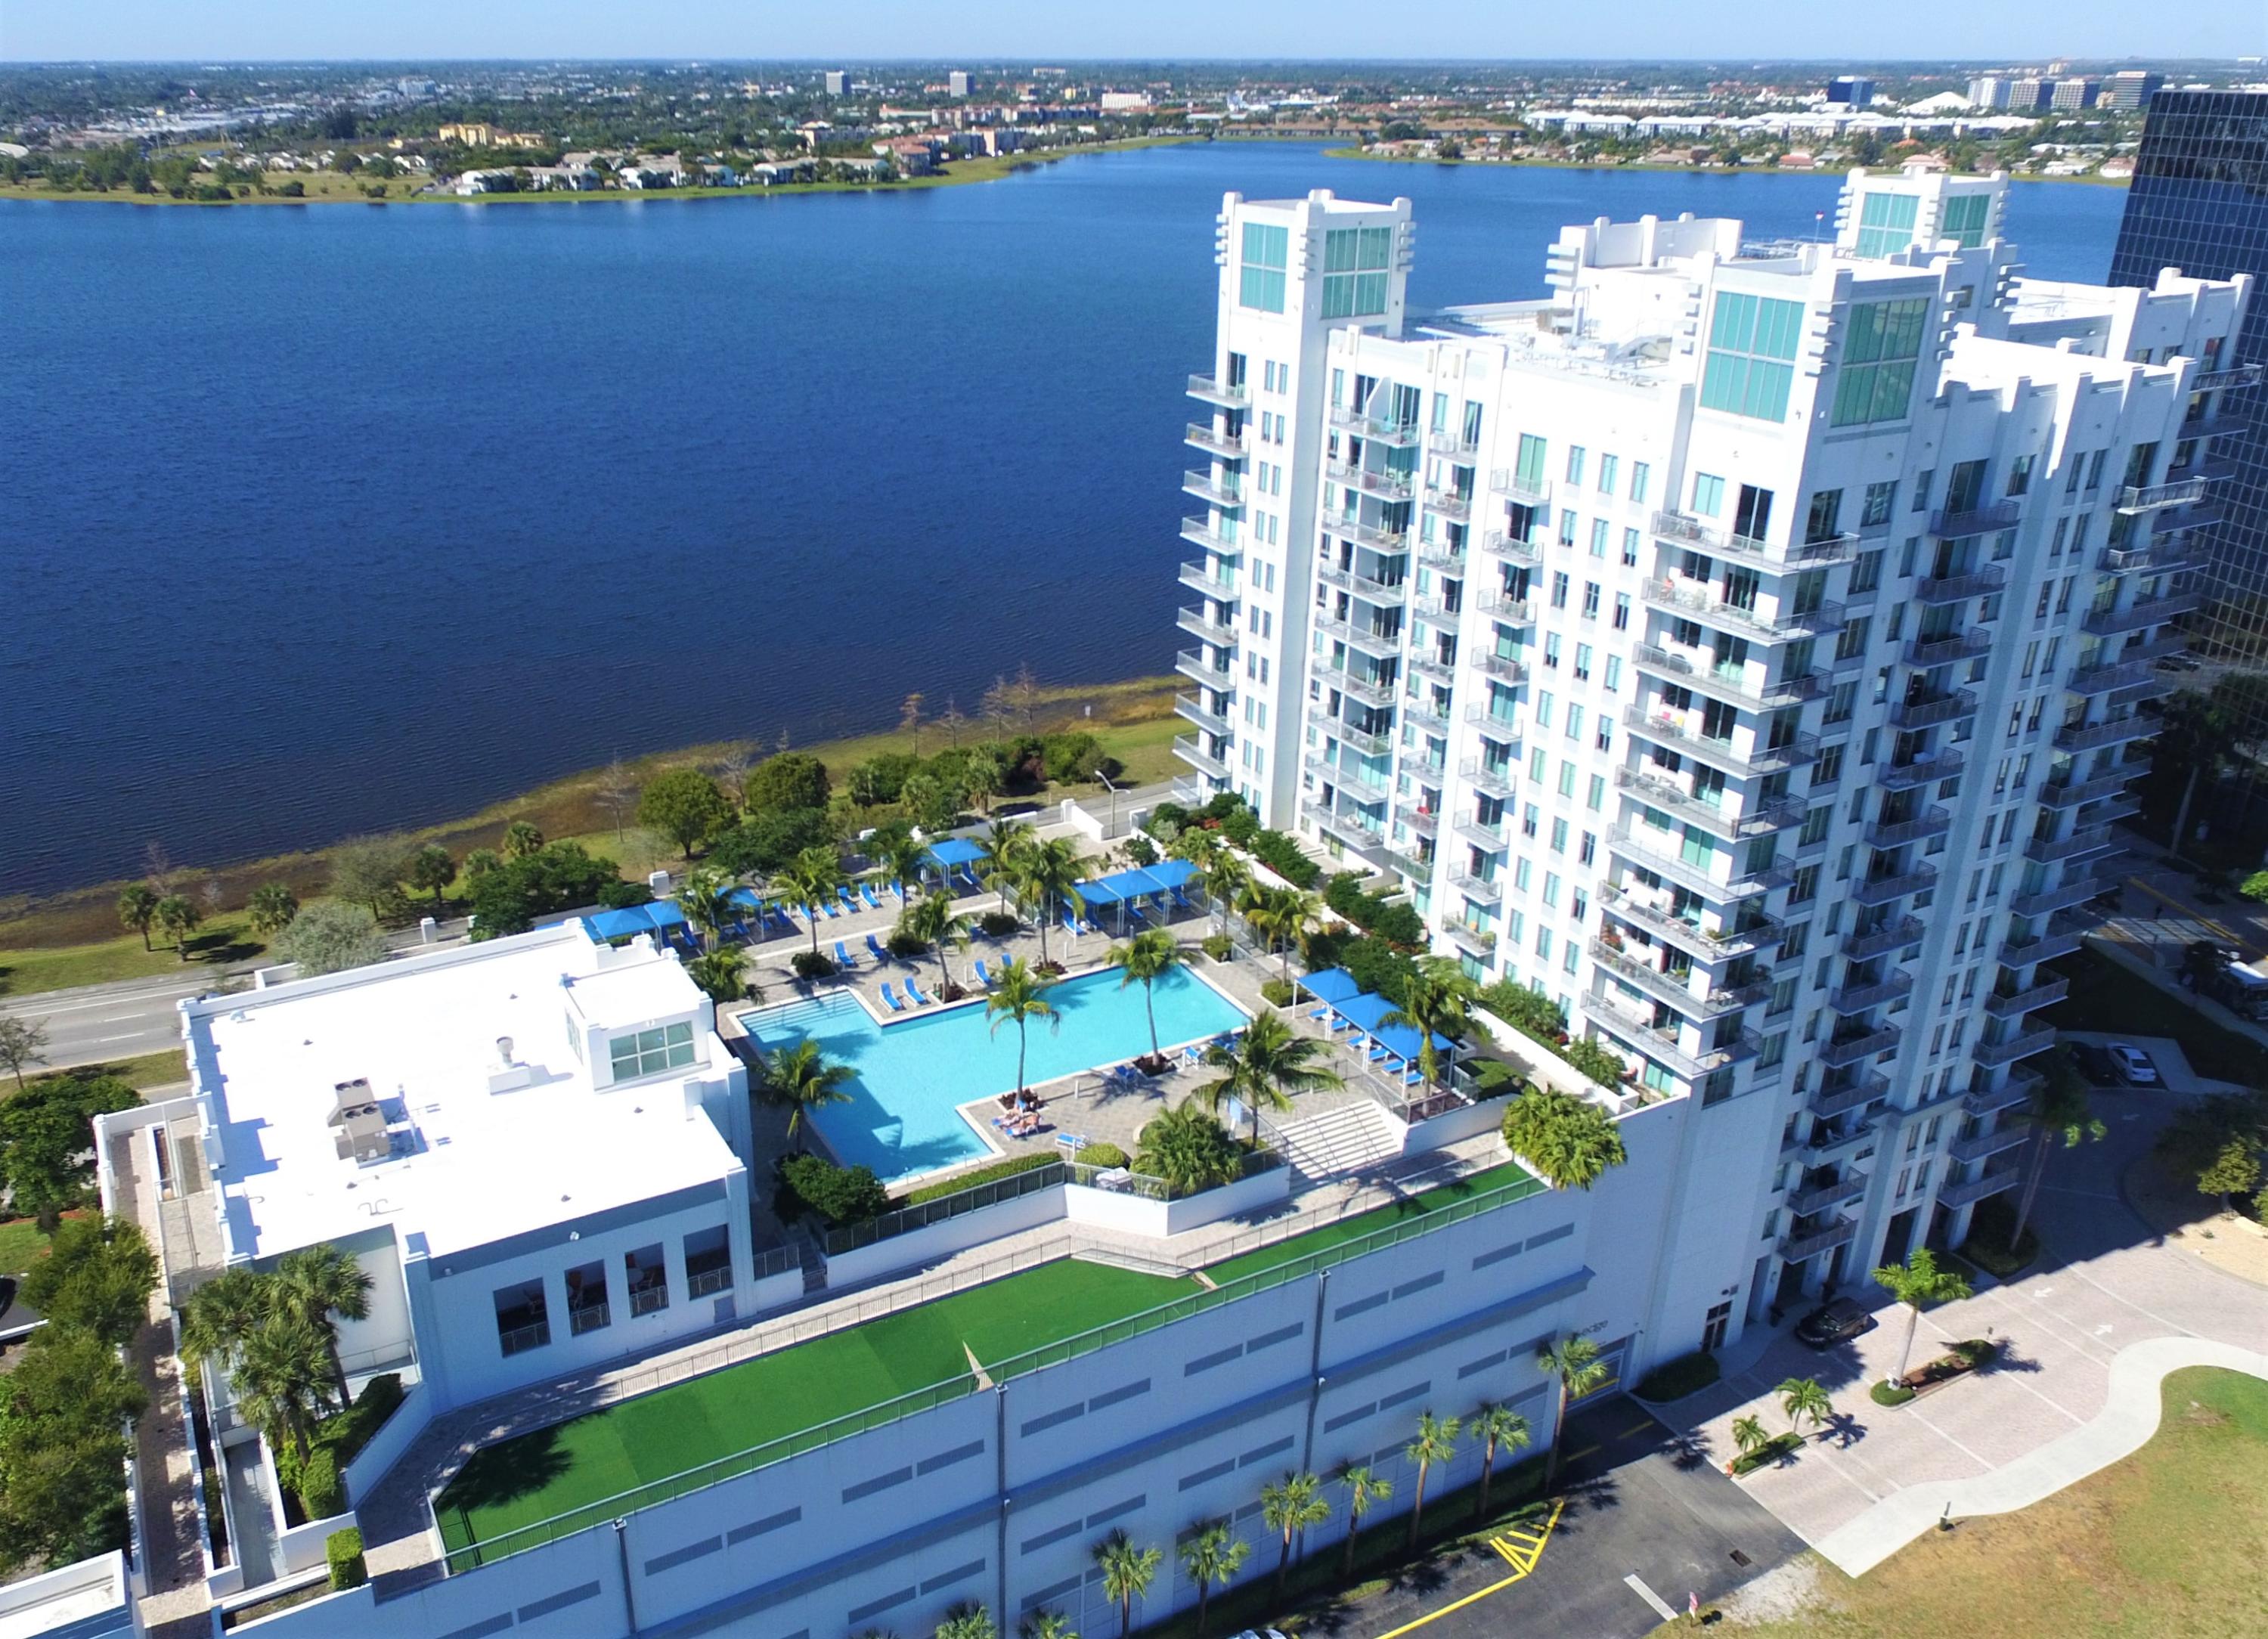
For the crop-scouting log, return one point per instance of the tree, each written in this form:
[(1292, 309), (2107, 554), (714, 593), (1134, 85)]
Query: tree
[(283, 1380), (322, 1285), (23, 1044), (932, 801), (522, 840), (1020, 996), (1265, 1065), (1916, 1282), (63, 1448), (788, 780), (685, 805), (47, 1141), (272, 907), (1570, 1141), (909, 719), (368, 871), (98, 1275), (702, 895), (1495, 1427), (1047, 1624), (1748, 1433), (1436, 1441), (1803, 1397), (330, 937), (1283, 917), (617, 795), (2233, 1169), (1433, 1003), (1363, 1487), (479, 864), (2059, 1109), (430, 870), (1288, 1507), (1050, 870), (1213, 1554), (1146, 958), (1573, 1362), (1126, 1573), (799, 1079), (812, 877), (137, 909), (718, 972), (1188, 1149), (932, 920), (1003, 846), (222, 1313), (967, 1618), (901, 853), (2197, 734), (178, 917)]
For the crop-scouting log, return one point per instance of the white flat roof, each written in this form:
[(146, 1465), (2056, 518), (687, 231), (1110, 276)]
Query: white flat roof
[(470, 1166)]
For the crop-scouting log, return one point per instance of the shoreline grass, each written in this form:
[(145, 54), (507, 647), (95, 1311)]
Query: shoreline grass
[(1641, 165)]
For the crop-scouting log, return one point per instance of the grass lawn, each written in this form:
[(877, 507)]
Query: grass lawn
[(20, 1244), (57, 967), (2165, 1545), (2104, 996), (1322, 1240)]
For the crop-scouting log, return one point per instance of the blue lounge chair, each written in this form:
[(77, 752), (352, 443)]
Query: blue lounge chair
[(983, 977), (829, 907), (843, 955), (866, 892), (874, 948), (915, 995), (891, 997), (849, 900)]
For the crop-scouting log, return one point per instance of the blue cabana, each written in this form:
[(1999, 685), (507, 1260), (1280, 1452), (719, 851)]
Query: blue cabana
[(1364, 1011), (606, 926), (954, 850), (1332, 985), (1143, 882)]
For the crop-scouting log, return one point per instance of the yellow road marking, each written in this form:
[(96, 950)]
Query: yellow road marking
[(1639, 1427), (1522, 1560), (2197, 916)]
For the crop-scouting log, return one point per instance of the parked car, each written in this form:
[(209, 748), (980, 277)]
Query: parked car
[(2094, 1062), (2133, 1065), (1837, 1321)]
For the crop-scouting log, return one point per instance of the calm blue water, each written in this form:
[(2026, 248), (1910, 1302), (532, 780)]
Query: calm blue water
[(320, 519), (913, 1073)]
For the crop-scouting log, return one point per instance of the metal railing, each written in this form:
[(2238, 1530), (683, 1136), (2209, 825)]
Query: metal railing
[(1951, 525), (2149, 498), (706, 1282), (851, 1237), (1236, 395), (1985, 578), (1211, 438)]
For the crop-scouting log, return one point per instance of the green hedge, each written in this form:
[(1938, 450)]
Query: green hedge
[(1770, 1451), (343, 1551), (1281, 855), (1890, 1393), (1102, 1155), (1394, 921), (959, 1181), (839, 1195)]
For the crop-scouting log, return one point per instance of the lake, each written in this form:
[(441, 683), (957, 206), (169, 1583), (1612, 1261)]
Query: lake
[(323, 520)]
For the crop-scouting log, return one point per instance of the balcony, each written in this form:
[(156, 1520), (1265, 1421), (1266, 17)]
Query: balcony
[(2164, 552), (1731, 823), (1433, 665), (1988, 577), (1390, 486), (1480, 889), (1389, 593), (1968, 645), (1424, 708), (1672, 988), (2057, 939), (1227, 493), (1450, 504), (1440, 555), (1349, 777), (1196, 577), (1212, 390), (1511, 484), (1193, 622), (1186, 748), (1378, 645), (1514, 548), (1896, 833), (1934, 709), (1437, 609), (1694, 600), (1376, 536), (1504, 727), (2073, 793), (1640, 851), (1505, 609), (1213, 441), (1195, 710), (2134, 616), (1662, 1043), (2016, 1004), (1797, 1248), (1895, 934), (1863, 1089), (1503, 668), (1730, 684), (2093, 839), (2070, 892), (1820, 1197), (1893, 885), (1843, 1050), (1663, 728), (1632, 907), (1948, 524), (1974, 1189), (1199, 532), (1192, 665), (2111, 732), (1686, 530), (1495, 778), (1417, 866), (2150, 498), (1979, 1146), (1487, 837), (1858, 998), (1377, 743), (2007, 1096), (1424, 821), (1898, 776), (1999, 1053), (2234, 376), (1477, 941), (1454, 445), (1371, 690), (2102, 679)]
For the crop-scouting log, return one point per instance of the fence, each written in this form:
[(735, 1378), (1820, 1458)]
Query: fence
[(851, 1237)]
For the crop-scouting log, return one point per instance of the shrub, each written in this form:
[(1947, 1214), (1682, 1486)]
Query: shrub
[(1071, 758), (346, 1433), (959, 1181), (812, 964), (1277, 993), (1525, 1010), (1102, 1155), (840, 1194), (1240, 826), (320, 1494), (904, 945), (2255, 887), (1396, 921), (1494, 1077), (998, 924), (1281, 855), (1770, 1451), (1139, 850), (1219, 947), (343, 1551), (1674, 1379), (1168, 814), (1890, 1393), (1594, 1061)]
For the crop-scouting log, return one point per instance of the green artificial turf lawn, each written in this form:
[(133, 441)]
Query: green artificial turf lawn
[(1367, 1223), (672, 1431)]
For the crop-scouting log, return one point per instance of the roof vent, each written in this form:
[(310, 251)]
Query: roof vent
[(361, 1133)]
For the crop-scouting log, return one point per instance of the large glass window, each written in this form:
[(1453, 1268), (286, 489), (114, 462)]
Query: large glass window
[(521, 1320), (1752, 345), (1530, 469), (1354, 261), (1260, 274), (650, 1052), (1964, 219), (1886, 223), (1875, 380)]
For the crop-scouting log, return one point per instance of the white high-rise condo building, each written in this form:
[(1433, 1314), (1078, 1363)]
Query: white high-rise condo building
[(1744, 646)]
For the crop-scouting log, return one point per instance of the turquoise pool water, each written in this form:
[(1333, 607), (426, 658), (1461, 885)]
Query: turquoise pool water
[(910, 1074)]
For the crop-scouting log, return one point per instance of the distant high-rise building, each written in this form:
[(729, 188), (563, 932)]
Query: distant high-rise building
[(838, 82), (2028, 93), (2199, 202), (1989, 92), (2130, 88), (1853, 90), (2075, 94), (956, 83)]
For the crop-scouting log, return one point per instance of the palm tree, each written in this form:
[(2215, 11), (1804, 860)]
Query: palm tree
[(221, 1313), (1283, 917), (1050, 869), (812, 877), (1436, 1443), (1433, 1001), (522, 838), (1363, 1487), (1569, 1142), (1022, 995), (717, 972), (1266, 1065), (1574, 1361), (903, 855), (932, 920), (1288, 1506), (1214, 1554), (1916, 1282), (1190, 1149), (799, 1079), (967, 1618), (1047, 1624), (318, 1282), (701, 895), (283, 1379), (1127, 1571), (137, 909), (1748, 1433), (1495, 1426), (177, 917), (1002, 850), (2059, 1108), (1803, 1397), (1146, 958), (272, 906)]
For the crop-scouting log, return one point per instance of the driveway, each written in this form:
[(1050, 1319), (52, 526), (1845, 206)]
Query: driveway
[(2105, 1281)]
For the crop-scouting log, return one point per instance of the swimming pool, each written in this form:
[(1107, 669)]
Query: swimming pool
[(910, 1074)]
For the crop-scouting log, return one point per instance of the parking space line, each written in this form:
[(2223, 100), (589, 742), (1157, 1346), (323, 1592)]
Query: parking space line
[(1522, 1561), (1661, 1605)]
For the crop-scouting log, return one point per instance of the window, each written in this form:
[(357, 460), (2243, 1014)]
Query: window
[(1963, 220), (1641, 475), (1875, 381), (1630, 549), (1608, 464), (1582, 661), (2019, 475), (1574, 463), (1355, 261), (1752, 347), (650, 1052), (1886, 223), (1881, 497), (1622, 611), (1598, 537), (1260, 279), (647, 1278), (1867, 573), (1529, 472), (1590, 601), (587, 1310), (1559, 589), (1825, 517), (708, 1262), (522, 1322)]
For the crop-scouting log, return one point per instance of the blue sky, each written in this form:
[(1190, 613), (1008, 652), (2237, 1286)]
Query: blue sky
[(1027, 30)]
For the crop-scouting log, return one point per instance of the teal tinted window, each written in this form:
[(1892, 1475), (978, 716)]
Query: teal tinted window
[(1355, 263), (1260, 274), (1964, 219), (1752, 345), (1886, 223), (1530, 469), (1875, 382)]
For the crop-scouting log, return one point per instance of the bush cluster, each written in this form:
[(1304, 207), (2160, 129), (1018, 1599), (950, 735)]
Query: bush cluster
[(1226, 814), (1394, 921), (1105, 1155), (838, 1194), (812, 964), (1281, 855), (342, 1552), (557, 877), (959, 1181), (318, 1482), (998, 924)]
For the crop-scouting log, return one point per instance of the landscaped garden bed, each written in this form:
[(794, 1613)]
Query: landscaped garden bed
[(1970, 1355)]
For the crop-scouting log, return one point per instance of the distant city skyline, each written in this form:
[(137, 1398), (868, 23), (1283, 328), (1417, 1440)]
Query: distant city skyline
[(1017, 30)]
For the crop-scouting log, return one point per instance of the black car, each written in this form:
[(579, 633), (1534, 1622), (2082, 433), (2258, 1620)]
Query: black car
[(2095, 1063), (1837, 1321)]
